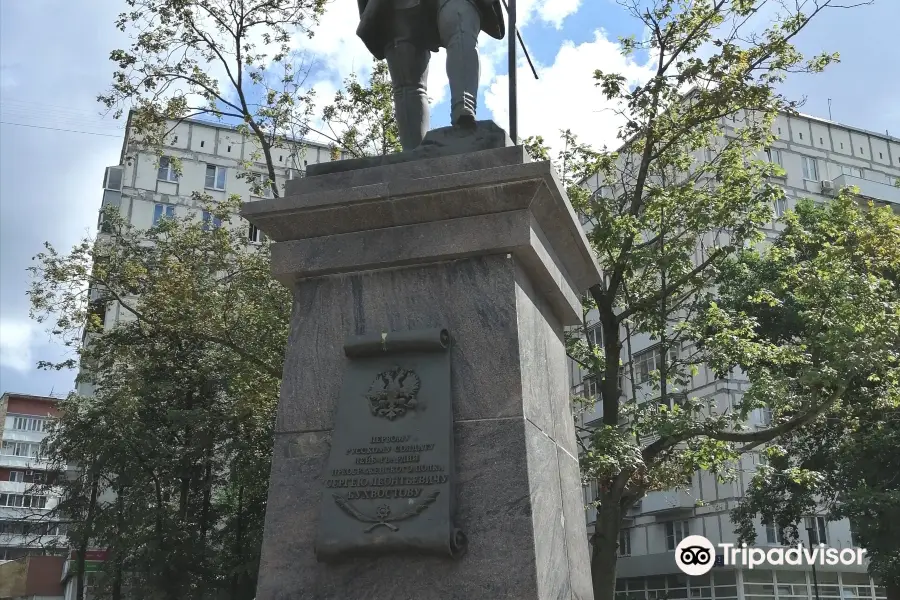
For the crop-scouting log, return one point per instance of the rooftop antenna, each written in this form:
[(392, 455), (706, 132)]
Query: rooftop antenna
[(829, 110)]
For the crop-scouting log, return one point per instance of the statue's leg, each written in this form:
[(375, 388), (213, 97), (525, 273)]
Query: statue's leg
[(408, 66), (459, 23)]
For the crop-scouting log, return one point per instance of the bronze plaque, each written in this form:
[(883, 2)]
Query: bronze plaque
[(389, 483)]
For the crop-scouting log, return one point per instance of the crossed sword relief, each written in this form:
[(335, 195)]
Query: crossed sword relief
[(384, 512)]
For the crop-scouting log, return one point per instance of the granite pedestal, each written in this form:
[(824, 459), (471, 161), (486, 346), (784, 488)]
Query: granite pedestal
[(486, 245)]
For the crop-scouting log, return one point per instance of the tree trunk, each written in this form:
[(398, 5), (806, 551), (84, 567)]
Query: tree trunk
[(85, 538), (605, 547), (116, 591), (238, 544), (201, 556)]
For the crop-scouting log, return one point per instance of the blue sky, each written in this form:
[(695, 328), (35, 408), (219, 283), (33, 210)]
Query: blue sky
[(54, 145)]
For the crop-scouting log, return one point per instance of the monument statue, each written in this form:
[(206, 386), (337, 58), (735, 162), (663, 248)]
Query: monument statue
[(406, 32)]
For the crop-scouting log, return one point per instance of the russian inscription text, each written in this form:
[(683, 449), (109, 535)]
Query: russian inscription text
[(389, 479)]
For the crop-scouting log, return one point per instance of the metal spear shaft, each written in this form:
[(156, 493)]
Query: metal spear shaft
[(513, 88)]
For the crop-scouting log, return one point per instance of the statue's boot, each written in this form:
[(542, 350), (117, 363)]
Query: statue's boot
[(408, 67), (459, 23)]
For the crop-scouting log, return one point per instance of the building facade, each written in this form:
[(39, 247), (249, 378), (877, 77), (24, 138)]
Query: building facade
[(819, 158), (214, 160), (28, 525)]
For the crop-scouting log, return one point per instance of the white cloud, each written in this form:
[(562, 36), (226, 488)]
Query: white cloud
[(338, 52), (335, 46), (565, 96), (15, 344), (555, 12)]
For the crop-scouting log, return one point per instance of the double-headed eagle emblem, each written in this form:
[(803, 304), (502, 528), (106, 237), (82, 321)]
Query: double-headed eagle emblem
[(393, 393)]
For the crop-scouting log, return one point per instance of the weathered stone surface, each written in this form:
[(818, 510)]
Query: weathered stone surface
[(510, 232), (440, 142), (494, 506), (574, 514), (474, 299), (551, 560), (409, 200), (496, 256), (416, 169), (545, 390)]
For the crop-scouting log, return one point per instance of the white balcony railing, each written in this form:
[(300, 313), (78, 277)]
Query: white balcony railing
[(23, 462), (661, 502), (869, 189), (15, 435)]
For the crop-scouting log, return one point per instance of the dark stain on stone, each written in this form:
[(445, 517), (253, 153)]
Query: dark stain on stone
[(359, 311)]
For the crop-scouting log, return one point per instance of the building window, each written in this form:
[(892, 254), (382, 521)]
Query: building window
[(210, 222), (780, 207), (591, 387), (202, 143), (166, 170), (801, 135), (773, 155), (17, 476), (215, 177), (27, 423), (675, 532), (817, 525), (852, 171), (625, 541), (265, 189), (648, 361), (810, 168), (255, 235), (595, 335), (23, 500), (28, 449), (854, 535), (229, 149), (774, 535), (821, 141), (163, 210)]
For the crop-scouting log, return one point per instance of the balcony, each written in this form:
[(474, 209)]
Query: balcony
[(668, 503), (23, 462), (14, 487), (16, 435), (872, 190)]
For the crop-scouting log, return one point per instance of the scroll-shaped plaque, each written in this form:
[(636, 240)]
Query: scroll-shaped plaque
[(389, 484)]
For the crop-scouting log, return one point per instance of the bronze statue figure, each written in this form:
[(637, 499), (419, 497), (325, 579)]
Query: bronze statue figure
[(405, 32)]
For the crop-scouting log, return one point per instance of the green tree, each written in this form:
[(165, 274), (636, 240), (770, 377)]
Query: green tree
[(219, 58), (686, 191), (189, 372), (174, 439), (823, 308), (361, 119)]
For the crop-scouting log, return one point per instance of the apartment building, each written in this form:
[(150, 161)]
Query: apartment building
[(26, 526), (146, 188), (819, 158)]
